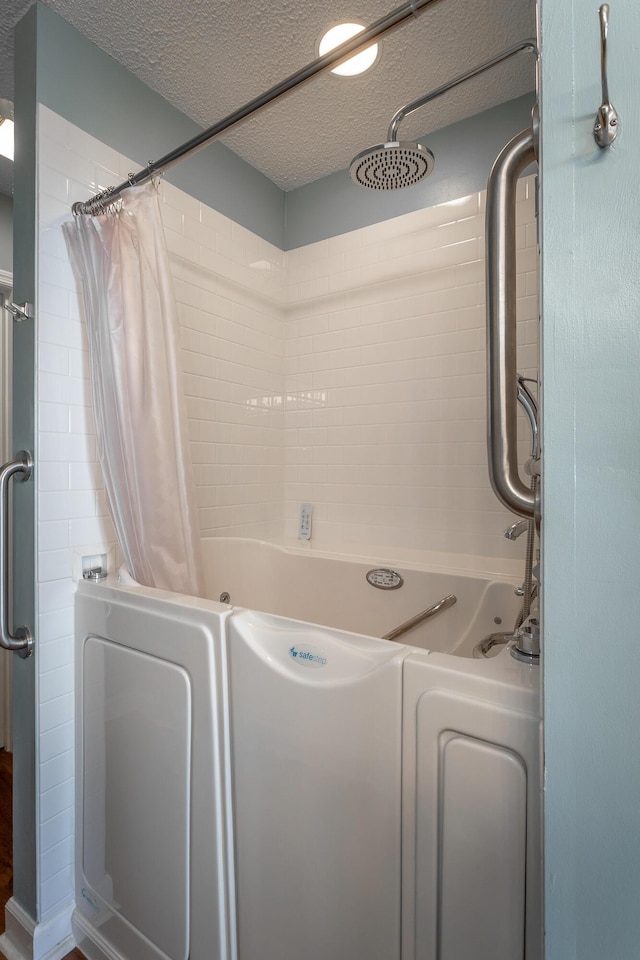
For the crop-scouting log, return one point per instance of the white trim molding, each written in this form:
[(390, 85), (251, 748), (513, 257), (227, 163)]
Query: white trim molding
[(24, 939)]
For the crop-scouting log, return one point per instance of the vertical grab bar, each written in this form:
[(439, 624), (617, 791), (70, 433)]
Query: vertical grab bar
[(22, 641), (501, 326)]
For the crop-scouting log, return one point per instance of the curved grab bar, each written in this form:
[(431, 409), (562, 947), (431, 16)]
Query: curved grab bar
[(21, 641), (501, 326), (431, 611)]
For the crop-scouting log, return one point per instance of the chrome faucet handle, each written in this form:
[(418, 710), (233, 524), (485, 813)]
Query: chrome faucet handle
[(607, 123)]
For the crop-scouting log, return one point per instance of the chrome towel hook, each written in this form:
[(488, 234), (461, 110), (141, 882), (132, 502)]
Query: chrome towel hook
[(605, 129), (19, 311)]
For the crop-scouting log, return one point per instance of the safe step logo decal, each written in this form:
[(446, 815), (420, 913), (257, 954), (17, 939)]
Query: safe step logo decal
[(307, 656)]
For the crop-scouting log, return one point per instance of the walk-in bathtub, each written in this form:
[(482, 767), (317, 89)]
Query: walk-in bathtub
[(317, 587), (267, 779)]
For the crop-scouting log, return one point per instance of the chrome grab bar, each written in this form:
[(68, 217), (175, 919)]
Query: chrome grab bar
[(501, 326), (431, 611), (21, 641)]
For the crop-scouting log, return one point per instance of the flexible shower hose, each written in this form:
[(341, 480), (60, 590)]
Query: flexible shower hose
[(528, 586)]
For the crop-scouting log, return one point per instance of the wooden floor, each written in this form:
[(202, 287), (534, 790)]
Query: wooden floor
[(74, 955), (6, 858)]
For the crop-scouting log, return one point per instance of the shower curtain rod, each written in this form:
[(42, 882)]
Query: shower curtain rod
[(391, 20)]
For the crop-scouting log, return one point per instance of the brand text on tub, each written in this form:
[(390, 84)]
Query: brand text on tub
[(307, 657)]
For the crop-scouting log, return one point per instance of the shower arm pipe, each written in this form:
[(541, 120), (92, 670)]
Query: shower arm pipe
[(410, 108), (390, 21), (502, 380)]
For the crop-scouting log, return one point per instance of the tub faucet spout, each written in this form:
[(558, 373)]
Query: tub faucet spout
[(514, 531)]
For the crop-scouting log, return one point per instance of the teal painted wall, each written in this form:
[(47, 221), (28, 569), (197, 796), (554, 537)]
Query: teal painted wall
[(91, 90), (590, 218)]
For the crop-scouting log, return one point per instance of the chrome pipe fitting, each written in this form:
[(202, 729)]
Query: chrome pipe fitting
[(526, 645)]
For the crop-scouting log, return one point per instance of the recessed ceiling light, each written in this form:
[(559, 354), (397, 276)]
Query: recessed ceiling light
[(354, 65), (6, 129)]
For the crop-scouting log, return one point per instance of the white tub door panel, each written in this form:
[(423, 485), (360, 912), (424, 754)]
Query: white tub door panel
[(151, 822), (137, 780), (483, 835), (316, 766), (471, 807)]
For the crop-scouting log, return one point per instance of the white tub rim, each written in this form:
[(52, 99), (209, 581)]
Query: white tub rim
[(485, 568)]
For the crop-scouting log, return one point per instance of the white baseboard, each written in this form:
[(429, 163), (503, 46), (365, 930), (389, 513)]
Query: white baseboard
[(17, 940), (24, 939), (90, 940)]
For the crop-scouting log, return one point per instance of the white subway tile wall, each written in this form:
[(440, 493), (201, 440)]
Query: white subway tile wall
[(385, 373), (348, 374), (230, 290)]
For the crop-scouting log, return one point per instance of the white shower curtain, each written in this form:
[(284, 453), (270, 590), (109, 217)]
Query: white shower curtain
[(121, 265)]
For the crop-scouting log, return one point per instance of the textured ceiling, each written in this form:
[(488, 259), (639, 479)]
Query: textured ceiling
[(208, 57)]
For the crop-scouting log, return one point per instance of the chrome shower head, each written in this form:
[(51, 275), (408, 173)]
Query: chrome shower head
[(394, 164), (389, 166)]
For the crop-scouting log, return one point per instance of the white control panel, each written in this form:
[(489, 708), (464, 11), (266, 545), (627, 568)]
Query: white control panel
[(304, 526)]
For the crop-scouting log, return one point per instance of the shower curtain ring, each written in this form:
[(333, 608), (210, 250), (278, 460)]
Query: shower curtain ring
[(154, 176)]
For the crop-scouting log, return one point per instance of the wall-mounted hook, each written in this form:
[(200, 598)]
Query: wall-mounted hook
[(607, 124), (19, 311)]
